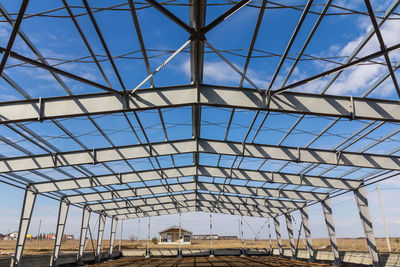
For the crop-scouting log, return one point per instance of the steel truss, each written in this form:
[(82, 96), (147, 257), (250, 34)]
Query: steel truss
[(197, 186)]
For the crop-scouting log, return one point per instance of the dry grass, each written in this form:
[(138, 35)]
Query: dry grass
[(46, 246)]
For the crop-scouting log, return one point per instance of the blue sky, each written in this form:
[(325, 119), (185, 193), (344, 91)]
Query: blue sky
[(335, 39)]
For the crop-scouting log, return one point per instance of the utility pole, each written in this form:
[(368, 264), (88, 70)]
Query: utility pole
[(269, 237), (37, 236), (211, 238), (180, 236), (383, 218), (148, 241), (138, 228)]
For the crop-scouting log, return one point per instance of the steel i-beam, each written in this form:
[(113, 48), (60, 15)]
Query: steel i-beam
[(327, 209), (362, 203), (278, 235), (102, 222), (112, 236), (289, 225), (62, 217), (26, 214), (307, 232), (84, 228)]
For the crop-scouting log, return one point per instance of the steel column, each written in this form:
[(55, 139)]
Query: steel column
[(289, 225), (307, 232), (327, 209), (114, 223), (62, 217), (362, 203), (102, 222), (278, 234), (84, 228), (26, 214)]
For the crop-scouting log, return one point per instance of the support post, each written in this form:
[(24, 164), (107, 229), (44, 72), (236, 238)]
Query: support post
[(327, 209), (120, 237), (211, 238), (82, 238), (289, 225), (102, 222), (383, 218), (148, 240), (307, 232), (62, 217), (362, 203), (114, 223), (26, 214), (278, 235)]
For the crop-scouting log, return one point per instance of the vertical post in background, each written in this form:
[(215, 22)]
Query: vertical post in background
[(120, 236), (289, 226), (211, 238), (82, 238), (148, 240), (25, 220), (138, 228), (269, 237), (327, 209), (241, 236), (114, 223), (383, 218), (362, 203), (38, 234), (102, 222), (307, 232), (278, 235), (180, 236), (62, 217)]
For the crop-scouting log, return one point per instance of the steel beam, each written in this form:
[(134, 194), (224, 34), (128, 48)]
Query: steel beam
[(155, 213), (140, 191), (288, 102), (84, 227), (209, 171), (362, 203), (297, 154), (26, 214), (287, 153), (289, 226), (13, 35), (327, 209), (102, 222), (62, 217), (114, 223), (197, 17), (278, 234), (260, 191), (307, 232)]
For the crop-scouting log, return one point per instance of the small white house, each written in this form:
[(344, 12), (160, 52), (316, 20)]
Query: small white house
[(171, 236)]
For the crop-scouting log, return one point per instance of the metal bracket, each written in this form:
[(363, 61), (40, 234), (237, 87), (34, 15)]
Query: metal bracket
[(298, 155), (272, 177), (92, 181), (352, 109), (338, 155), (40, 111), (94, 156), (301, 179), (54, 158), (120, 178)]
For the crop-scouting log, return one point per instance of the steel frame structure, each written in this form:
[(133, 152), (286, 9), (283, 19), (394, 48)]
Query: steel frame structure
[(197, 186)]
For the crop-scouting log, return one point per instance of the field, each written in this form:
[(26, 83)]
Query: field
[(46, 246)]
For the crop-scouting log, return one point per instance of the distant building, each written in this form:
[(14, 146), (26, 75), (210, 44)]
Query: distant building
[(68, 237), (227, 237), (205, 237), (10, 236), (50, 236), (171, 236)]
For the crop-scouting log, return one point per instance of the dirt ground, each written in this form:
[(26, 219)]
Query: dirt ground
[(71, 246)]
